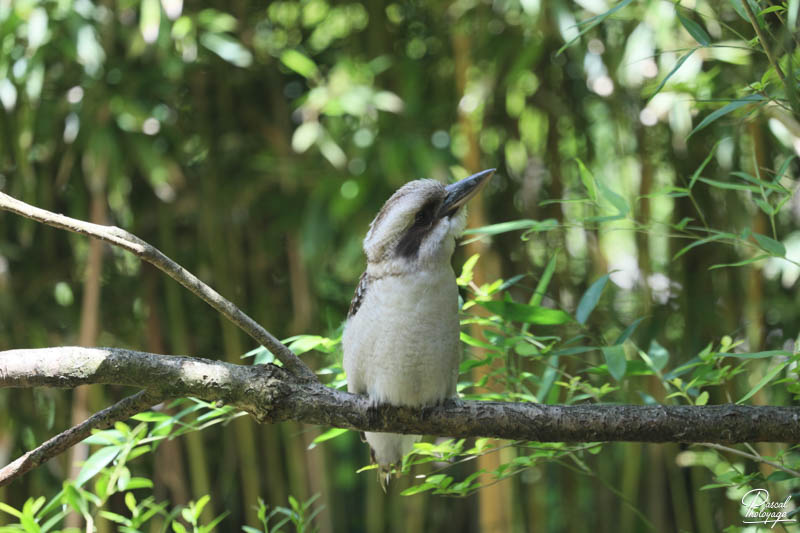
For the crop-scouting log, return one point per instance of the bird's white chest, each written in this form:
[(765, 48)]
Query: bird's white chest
[(402, 346)]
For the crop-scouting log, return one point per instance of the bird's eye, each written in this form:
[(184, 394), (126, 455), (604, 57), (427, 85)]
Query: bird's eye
[(421, 218)]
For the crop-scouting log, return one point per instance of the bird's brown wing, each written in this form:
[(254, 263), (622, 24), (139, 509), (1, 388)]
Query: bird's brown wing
[(358, 297)]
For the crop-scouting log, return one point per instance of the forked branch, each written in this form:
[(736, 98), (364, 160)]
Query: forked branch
[(151, 254)]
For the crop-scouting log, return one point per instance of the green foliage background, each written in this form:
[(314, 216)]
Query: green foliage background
[(644, 197)]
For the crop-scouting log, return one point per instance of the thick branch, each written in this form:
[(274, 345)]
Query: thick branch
[(124, 409), (151, 254), (271, 394)]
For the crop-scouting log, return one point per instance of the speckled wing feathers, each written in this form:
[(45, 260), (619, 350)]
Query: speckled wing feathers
[(360, 294)]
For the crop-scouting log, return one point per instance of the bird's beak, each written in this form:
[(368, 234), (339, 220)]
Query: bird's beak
[(460, 192)]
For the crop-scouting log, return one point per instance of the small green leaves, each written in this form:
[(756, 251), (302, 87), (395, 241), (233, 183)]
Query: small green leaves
[(466, 271)]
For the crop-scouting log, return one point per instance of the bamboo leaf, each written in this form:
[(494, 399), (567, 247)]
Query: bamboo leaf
[(530, 314), (299, 63), (739, 263), (766, 379), (592, 22), (715, 237), (589, 299), (770, 245), (694, 29), (625, 335), (615, 360), (547, 275), (721, 112), (730, 186), (678, 65), (702, 166)]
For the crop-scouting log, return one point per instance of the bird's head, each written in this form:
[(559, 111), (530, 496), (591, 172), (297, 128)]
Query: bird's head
[(418, 225)]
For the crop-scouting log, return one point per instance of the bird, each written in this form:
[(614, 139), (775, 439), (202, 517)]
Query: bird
[(401, 343)]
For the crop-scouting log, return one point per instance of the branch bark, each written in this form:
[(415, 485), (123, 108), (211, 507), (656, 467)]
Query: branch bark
[(151, 254), (271, 394)]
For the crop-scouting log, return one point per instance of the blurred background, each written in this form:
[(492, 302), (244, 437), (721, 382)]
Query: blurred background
[(253, 142)]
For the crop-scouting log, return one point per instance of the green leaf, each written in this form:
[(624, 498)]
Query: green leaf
[(759, 355), (702, 399), (592, 22), (715, 237), (766, 379), (211, 525), (114, 517), (547, 275), (416, 489), (505, 227), (628, 331), (694, 29), (770, 245), (589, 299), (615, 199), (740, 263), (130, 501), (300, 63), (530, 314), (227, 48), (615, 360), (328, 435), (703, 165), (678, 65), (151, 416), (721, 112), (10, 510), (306, 135), (466, 271), (96, 462), (730, 186)]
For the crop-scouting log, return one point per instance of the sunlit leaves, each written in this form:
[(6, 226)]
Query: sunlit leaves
[(90, 53), (305, 136), (300, 63), (227, 48), (150, 20)]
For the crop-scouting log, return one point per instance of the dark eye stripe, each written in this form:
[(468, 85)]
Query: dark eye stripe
[(409, 244)]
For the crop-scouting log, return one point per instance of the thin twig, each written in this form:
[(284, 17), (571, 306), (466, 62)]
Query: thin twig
[(122, 410), (151, 254), (762, 38), (752, 457)]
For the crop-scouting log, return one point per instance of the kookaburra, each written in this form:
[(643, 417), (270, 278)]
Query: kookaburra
[(401, 339)]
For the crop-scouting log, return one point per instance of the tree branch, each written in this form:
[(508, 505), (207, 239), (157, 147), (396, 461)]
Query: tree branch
[(147, 252), (122, 410), (271, 394)]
